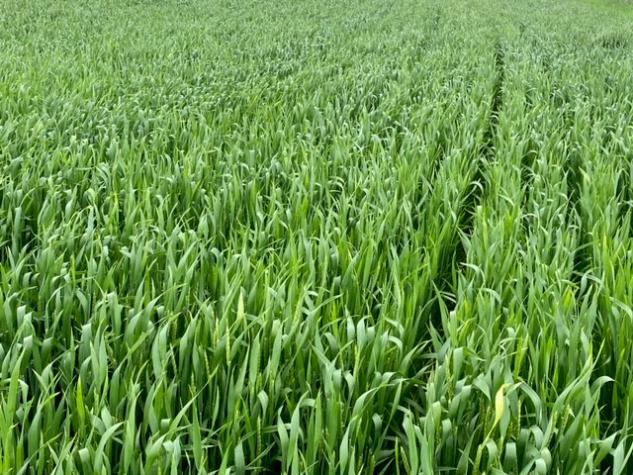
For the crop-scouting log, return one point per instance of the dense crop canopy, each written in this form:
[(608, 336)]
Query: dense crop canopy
[(330, 237)]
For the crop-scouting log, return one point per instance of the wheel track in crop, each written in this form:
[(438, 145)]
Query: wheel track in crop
[(487, 151)]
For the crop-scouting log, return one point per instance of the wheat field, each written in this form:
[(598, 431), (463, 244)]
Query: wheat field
[(271, 236)]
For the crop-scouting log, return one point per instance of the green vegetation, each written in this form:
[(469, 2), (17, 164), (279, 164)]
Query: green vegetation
[(331, 237)]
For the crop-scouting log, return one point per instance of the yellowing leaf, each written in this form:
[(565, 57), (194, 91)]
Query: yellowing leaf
[(241, 314), (500, 403)]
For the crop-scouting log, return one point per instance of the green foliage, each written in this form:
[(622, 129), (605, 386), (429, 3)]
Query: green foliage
[(315, 237)]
